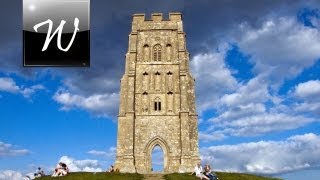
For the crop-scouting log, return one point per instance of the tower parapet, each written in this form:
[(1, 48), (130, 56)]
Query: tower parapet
[(157, 21)]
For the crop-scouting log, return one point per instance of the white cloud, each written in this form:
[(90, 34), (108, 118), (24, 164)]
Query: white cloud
[(309, 89), (98, 153), (10, 175), (107, 157), (86, 165), (254, 107), (251, 110), (281, 47), (255, 91), (267, 157), (308, 107), (105, 105), (10, 150), (309, 93), (9, 85), (261, 123), (110, 153), (213, 78), (215, 136), (27, 92)]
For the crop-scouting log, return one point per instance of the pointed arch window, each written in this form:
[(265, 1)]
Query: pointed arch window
[(145, 80), (157, 81), (170, 81), (170, 101), (157, 104), (146, 52), (169, 52), (157, 52), (144, 101)]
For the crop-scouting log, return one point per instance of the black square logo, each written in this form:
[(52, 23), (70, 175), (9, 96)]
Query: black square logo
[(56, 33)]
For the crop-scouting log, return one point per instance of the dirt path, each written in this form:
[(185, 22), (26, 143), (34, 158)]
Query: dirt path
[(153, 177)]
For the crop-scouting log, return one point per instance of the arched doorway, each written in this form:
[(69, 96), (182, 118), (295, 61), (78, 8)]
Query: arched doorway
[(157, 143), (157, 159)]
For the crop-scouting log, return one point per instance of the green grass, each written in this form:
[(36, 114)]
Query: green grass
[(184, 176), (221, 176), (95, 176), (174, 176), (240, 176)]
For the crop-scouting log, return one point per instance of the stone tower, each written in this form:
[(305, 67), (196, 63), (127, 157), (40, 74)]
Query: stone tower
[(157, 101)]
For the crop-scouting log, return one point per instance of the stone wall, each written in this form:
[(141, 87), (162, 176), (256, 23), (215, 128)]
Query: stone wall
[(157, 101)]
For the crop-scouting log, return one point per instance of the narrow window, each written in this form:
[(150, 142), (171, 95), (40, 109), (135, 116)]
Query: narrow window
[(157, 52), (170, 101), (146, 52), (157, 104), (145, 102), (157, 82), (145, 80), (169, 52), (170, 81)]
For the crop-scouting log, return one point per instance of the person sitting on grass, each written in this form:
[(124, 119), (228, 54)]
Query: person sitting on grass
[(111, 169), (198, 171), (39, 173), (61, 170), (209, 173)]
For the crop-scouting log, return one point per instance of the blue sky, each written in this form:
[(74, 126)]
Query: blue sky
[(257, 71)]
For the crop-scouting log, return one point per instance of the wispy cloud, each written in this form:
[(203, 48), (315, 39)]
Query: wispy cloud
[(309, 93), (9, 85), (267, 157), (104, 105), (213, 78), (110, 153), (11, 150), (280, 47), (10, 175)]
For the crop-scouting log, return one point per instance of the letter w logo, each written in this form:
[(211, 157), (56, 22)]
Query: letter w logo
[(59, 29)]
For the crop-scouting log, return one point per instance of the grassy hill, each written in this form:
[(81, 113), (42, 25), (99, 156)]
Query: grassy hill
[(174, 176), (221, 175), (95, 176)]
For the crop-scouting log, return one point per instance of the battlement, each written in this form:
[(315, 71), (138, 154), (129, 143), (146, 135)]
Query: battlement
[(157, 17), (140, 23)]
